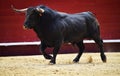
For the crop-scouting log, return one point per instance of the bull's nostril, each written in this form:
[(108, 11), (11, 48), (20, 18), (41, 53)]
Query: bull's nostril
[(25, 28)]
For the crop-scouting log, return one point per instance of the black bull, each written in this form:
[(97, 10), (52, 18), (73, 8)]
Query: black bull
[(55, 28)]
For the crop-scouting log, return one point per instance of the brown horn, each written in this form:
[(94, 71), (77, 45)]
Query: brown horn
[(19, 10)]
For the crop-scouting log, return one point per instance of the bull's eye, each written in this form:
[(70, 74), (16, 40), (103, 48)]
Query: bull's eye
[(32, 19)]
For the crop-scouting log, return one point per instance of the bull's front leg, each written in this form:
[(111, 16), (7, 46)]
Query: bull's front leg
[(42, 49), (55, 52)]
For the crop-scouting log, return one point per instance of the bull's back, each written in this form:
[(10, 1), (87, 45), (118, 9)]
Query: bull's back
[(86, 24), (74, 27)]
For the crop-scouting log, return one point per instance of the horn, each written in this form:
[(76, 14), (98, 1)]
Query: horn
[(19, 10), (40, 10)]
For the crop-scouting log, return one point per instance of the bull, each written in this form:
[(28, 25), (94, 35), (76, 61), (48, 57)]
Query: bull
[(55, 28)]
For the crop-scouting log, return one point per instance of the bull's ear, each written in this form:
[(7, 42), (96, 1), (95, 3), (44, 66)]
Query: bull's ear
[(40, 10)]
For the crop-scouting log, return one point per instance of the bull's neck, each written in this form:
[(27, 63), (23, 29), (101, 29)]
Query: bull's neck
[(37, 29)]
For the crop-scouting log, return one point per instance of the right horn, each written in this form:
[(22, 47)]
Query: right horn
[(40, 10), (19, 10)]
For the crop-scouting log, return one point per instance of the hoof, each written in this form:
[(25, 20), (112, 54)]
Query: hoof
[(75, 61), (48, 57), (104, 59), (51, 63)]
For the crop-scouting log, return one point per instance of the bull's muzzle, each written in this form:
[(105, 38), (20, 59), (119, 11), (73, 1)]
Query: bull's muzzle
[(25, 28)]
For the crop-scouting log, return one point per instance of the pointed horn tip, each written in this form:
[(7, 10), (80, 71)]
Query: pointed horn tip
[(12, 6), (19, 10)]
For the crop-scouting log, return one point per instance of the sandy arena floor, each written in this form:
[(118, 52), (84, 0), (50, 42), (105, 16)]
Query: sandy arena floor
[(38, 66)]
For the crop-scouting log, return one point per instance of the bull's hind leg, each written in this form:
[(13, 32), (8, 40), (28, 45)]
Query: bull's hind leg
[(100, 45), (42, 49), (81, 49)]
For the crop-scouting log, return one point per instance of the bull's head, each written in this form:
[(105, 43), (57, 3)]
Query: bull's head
[(32, 16)]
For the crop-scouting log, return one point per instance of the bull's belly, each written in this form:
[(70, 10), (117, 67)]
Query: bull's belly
[(53, 43), (73, 39)]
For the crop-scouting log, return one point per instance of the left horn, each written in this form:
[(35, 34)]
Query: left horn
[(19, 10)]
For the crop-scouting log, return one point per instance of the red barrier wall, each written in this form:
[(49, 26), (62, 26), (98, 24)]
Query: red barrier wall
[(107, 12)]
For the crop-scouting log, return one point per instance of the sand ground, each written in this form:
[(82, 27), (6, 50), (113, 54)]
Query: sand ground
[(38, 66)]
